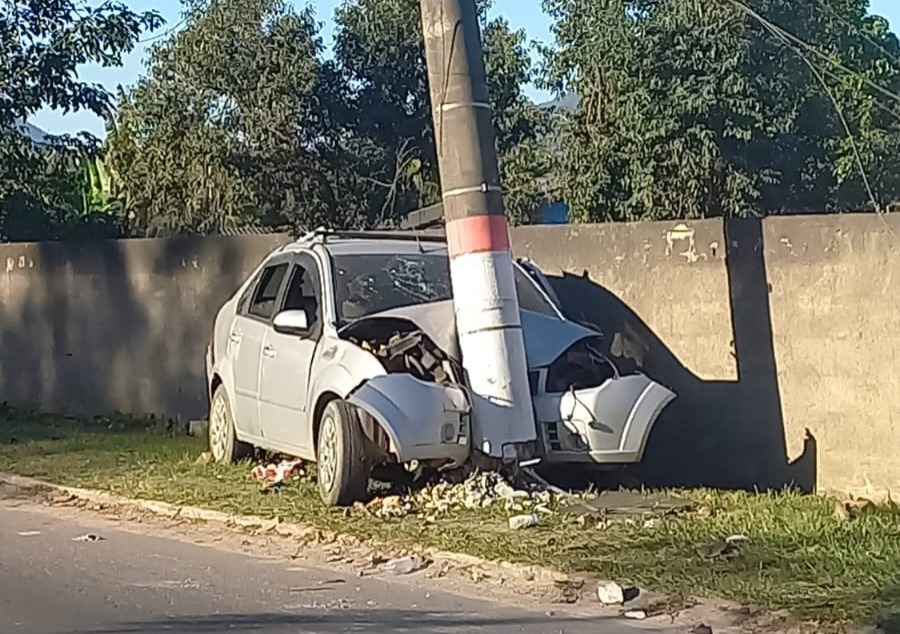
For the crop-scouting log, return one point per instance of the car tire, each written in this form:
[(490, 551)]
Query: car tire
[(342, 463), (223, 442)]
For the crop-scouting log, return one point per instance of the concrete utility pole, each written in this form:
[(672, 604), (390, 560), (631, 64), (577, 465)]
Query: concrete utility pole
[(481, 265)]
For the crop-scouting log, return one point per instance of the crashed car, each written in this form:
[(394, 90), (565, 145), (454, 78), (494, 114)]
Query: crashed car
[(341, 349)]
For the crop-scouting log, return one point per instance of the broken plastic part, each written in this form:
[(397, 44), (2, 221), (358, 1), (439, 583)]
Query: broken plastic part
[(417, 416)]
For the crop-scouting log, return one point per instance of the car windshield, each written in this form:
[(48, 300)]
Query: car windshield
[(366, 284)]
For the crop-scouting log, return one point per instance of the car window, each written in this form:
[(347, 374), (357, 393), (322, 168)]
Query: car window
[(304, 292), (263, 304), (366, 284)]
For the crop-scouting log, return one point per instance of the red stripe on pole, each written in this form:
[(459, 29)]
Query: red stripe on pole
[(477, 234)]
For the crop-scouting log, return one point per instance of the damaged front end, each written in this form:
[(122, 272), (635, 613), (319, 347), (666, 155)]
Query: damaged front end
[(420, 403), (588, 412)]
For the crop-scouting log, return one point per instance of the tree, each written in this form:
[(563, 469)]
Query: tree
[(379, 50), (688, 110), (240, 122), (42, 43)]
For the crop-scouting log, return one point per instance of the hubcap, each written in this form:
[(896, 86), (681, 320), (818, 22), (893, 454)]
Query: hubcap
[(218, 428), (327, 453)]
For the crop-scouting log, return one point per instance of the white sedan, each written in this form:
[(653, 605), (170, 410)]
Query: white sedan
[(341, 349)]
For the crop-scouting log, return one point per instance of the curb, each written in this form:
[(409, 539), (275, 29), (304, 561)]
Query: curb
[(538, 577)]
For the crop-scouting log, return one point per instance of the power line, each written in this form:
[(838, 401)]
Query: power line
[(788, 40), (784, 34)]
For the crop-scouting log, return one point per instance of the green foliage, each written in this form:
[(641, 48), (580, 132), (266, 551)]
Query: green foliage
[(690, 109), (42, 43), (239, 121)]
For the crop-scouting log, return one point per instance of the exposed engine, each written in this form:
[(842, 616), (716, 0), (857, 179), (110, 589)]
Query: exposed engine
[(580, 367), (403, 348)]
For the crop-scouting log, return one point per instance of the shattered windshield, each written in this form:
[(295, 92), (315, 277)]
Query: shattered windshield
[(373, 283)]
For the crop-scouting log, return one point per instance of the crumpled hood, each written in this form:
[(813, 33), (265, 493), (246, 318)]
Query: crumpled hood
[(545, 337)]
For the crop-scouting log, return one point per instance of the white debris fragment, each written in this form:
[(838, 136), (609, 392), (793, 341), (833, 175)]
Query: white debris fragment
[(733, 539), (637, 615), (88, 537), (610, 593), (518, 522), (28, 533), (479, 490), (405, 565)]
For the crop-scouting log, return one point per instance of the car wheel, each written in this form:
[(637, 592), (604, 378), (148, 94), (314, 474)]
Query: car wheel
[(223, 443), (341, 461)]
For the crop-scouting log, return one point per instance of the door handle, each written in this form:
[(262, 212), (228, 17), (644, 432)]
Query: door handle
[(235, 337), (269, 351)]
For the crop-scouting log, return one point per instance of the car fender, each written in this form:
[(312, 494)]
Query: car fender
[(425, 421), (340, 367)]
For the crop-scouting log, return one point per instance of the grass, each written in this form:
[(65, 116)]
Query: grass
[(799, 557)]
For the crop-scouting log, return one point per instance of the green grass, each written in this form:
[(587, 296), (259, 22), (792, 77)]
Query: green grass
[(799, 557)]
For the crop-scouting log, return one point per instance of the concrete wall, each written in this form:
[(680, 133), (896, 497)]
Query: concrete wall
[(97, 327), (779, 336)]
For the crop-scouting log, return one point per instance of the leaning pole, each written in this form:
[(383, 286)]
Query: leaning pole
[(481, 264)]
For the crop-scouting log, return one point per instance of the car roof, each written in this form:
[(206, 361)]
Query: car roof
[(363, 244), (340, 247)]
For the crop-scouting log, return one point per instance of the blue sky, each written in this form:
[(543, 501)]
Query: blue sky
[(525, 14)]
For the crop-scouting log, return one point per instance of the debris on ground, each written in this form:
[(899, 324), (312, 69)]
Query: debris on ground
[(518, 522), (702, 629), (480, 490), (205, 458), (847, 509), (722, 548), (610, 593), (405, 565), (389, 506), (28, 533), (274, 474), (637, 615), (569, 590), (88, 537)]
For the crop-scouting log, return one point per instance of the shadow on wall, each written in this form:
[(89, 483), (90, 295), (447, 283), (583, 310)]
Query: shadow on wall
[(723, 434), (119, 325)]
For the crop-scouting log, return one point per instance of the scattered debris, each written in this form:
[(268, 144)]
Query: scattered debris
[(569, 590), (28, 533), (88, 537), (847, 509), (637, 615), (205, 458), (273, 474), (405, 565), (518, 522), (610, 593), (389, 506), (651, 523), (334, 604), (722, 548), (702, 629)]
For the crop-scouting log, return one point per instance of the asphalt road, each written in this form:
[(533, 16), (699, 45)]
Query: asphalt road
[(133, 582)]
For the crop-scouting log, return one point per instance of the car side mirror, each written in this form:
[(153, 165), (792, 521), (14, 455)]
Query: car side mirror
[(292, 322)]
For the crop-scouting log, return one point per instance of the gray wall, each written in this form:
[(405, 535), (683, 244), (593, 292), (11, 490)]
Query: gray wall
[(780, 336)]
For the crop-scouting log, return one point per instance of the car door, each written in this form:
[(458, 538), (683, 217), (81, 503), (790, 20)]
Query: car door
[(246, 337), (287, 360)]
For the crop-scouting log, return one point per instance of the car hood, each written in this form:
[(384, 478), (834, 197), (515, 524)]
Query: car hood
[(546, 337)]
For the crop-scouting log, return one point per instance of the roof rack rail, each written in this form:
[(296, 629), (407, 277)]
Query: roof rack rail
[(373, 234)]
